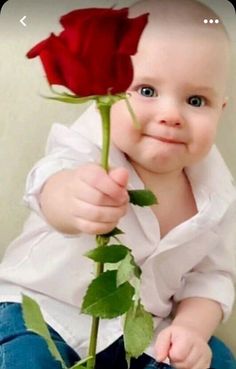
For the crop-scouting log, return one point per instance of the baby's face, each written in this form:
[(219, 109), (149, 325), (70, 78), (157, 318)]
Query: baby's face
[(177, 93)]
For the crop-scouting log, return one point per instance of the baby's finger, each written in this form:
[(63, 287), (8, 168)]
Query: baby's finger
[(100, 214), (120, 176), (163, 344), (93, 196), (89, 227), (179, 351), (97, 178)]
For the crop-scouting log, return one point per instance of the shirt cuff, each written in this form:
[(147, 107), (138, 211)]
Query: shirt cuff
[(38, 177)]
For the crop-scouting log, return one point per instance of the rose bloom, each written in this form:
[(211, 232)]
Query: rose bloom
[(91, 56)]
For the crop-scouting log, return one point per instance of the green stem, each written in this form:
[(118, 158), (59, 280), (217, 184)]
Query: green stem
[(105, 114), (94, 328), (104, 108)]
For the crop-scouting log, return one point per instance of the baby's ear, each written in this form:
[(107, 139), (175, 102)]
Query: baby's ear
[(225, 102)]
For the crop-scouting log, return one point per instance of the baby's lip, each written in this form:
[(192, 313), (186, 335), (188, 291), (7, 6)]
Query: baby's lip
[(167, 139)]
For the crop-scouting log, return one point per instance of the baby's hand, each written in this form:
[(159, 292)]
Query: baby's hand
[(185, 348), (86, 199)]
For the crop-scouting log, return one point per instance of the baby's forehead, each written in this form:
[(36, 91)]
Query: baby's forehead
[(178, 33), (182, 16)]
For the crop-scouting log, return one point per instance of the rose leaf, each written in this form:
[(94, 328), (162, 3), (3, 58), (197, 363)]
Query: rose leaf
[(104, 299), (127, 269), (113, 233), (34, 322), (142, 197), (108, 254), (138, 330)]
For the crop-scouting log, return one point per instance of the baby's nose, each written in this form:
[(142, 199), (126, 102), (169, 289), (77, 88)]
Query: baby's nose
[(170, 115), (171, 122)]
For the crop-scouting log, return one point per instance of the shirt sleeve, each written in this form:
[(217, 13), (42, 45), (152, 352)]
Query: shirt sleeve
[(214, 277), (66, 148)]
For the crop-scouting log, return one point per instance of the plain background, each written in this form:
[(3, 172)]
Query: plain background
[(26, 117)]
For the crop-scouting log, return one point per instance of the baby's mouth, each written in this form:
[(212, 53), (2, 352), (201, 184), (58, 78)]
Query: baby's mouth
[(167, 140)]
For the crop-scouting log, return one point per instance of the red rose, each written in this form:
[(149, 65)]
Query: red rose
[(91, 56)]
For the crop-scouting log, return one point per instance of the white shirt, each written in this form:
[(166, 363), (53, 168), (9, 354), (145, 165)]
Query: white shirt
[(196, 258)]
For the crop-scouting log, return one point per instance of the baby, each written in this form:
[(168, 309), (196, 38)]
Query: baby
[(184, 245)]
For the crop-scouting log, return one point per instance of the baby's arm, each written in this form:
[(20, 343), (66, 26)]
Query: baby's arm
[(212, 280), (199, 314), (85, 199), (71, 195), (185, 341)]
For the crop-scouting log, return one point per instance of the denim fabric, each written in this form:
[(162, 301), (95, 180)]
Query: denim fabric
[(21, 349)]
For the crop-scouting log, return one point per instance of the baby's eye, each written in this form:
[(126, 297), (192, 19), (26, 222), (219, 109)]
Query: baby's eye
[(196, 101), (147, 91)]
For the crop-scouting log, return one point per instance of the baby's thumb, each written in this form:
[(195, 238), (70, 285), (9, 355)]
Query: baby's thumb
[(120, 176), (162, 345)]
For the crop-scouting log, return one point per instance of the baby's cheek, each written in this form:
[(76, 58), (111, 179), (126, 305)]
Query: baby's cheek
[(121, 121), (201, 147), (208, 136)]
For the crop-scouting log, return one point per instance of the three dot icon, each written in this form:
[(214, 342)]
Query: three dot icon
[(211, 21)]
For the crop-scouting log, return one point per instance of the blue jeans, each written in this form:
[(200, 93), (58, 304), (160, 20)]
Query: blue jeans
[(21, 349)]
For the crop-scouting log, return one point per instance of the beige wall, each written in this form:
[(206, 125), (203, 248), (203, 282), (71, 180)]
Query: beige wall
[(26, 117)]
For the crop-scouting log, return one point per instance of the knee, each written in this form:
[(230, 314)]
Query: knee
[(27, 351)]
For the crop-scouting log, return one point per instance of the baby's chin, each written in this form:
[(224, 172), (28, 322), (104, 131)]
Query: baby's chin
[(157, 165)]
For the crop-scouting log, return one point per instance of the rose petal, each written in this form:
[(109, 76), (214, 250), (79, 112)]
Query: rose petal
[(124, 73), (131, 34), (37, 49), (61, 68), (91, 56)]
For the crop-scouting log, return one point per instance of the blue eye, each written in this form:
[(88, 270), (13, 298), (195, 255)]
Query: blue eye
[(196, 101), (147, 91)]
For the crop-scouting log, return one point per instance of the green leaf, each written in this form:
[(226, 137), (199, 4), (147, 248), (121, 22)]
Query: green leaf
[(127, 269), (138, 330), (104, 299), (34, 322), (142, 197), (69, 99), (73, 96), (113, 232), (108, 254)]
